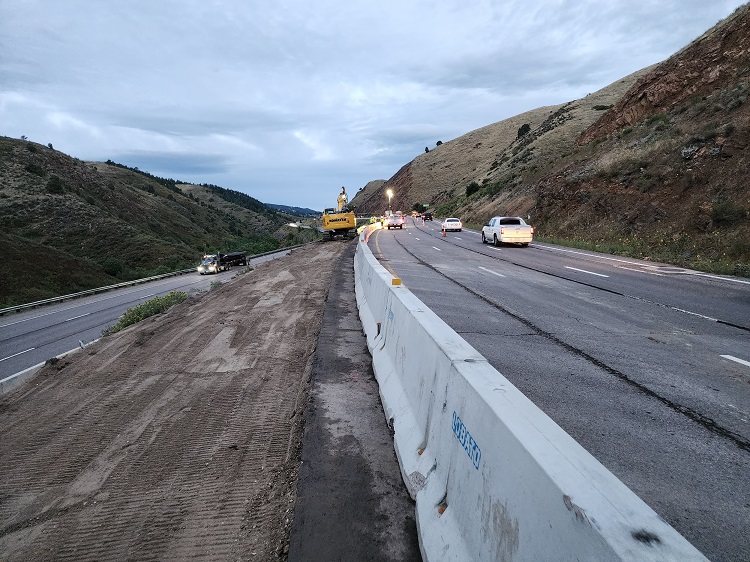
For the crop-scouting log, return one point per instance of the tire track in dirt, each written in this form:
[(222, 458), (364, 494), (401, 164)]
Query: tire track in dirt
[(176, 439)]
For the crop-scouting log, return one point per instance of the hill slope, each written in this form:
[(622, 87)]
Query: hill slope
[(654, 165), (70, 225)]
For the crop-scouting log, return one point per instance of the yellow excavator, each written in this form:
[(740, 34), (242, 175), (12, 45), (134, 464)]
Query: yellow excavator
[(340, 220)]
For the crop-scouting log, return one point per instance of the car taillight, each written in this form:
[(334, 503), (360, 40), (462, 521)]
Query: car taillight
[(532, 230), (502, 230)]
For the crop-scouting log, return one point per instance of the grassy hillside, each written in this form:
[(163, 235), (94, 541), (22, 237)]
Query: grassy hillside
[(654, 165), (70, 225)]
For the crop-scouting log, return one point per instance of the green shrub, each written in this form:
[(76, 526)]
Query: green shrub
[(144, 310), (601, 107), (523, 129), (658, 119), (35, 169), (472, 188), (55, 185), (113, 266), (727, 212)]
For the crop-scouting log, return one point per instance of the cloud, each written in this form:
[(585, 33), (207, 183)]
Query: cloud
[(288, 100)]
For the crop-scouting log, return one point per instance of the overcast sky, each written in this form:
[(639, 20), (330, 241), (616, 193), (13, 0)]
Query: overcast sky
[(288, 100)]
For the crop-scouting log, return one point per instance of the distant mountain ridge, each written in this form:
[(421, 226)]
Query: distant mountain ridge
[(654, 165), (294, 211)]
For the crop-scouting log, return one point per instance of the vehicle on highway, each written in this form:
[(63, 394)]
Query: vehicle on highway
[(396, 220), (234, 258), (452, 223), (427, 216), (213, 263), (210, 263), (507, 230)]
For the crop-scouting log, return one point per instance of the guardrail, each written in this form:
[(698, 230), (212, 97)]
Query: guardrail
[(19, 307), (494, 478)]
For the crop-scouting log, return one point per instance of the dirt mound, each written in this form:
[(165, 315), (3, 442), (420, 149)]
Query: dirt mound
[(175, 439)]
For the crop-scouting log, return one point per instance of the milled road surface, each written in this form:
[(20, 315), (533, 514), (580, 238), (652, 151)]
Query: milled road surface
[(352, 503), (178, 438)]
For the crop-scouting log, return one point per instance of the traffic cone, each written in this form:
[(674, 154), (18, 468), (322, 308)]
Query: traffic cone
[(443, 231)]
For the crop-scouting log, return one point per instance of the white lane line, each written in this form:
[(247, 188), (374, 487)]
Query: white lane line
[(639, 270), (438, 249), (719, 278), (686, 272), (737, 360), (584, 271), (457, 238), (415, 238), (694, 314), (496, 248), (490, 271), (19, 353), (77, 317), (590, 255)]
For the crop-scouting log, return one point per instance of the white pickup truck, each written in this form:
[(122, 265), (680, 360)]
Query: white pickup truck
[(507, 230)]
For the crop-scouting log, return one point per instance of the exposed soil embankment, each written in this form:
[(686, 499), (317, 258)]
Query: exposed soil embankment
[(175, 439)]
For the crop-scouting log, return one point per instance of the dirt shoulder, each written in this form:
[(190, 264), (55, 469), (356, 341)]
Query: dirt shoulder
[(178, 438)]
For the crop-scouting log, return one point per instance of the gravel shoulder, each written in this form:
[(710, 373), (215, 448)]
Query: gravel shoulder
[(178, 438)]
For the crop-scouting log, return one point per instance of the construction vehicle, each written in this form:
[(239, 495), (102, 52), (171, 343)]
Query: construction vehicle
[(339, 220)]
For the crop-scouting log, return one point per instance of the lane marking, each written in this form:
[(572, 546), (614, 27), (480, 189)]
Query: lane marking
[(77, 317), (584, 271), (438, 249), (19, 353), (694, 314), (415, 238), (496, 248), (377, 246), (457, 238), (686, 272), (639, 270), (490, 271), (720, 278), (736, 360)]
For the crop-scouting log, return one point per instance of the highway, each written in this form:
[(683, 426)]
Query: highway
[(646, 365), (34, 336)]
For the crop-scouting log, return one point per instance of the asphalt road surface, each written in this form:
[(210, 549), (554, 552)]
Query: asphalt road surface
[(646, 365)]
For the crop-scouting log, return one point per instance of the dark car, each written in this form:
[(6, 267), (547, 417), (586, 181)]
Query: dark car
[(427, 216)]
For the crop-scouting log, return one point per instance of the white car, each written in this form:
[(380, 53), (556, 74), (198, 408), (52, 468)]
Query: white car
[(452, 224), (507, 230)]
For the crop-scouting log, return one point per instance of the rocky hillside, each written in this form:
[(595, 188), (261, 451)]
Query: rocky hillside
[(70, 225), (654, 165)]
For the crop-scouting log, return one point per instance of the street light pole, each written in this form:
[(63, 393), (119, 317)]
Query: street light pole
[(389, 192)]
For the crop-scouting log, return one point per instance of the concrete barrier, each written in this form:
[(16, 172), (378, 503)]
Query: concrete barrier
[(494, 478)]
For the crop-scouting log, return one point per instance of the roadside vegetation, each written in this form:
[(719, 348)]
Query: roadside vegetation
[(146, 309)]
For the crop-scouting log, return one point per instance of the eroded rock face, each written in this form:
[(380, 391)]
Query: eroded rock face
[(713, 61)]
